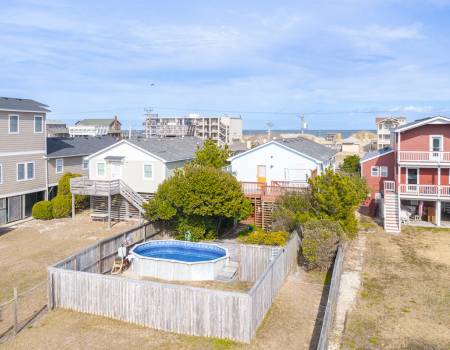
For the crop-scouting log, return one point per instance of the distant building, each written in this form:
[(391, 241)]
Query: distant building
[(351, 145), (57, 128), (384, 127), (96, 127), (223, 129)]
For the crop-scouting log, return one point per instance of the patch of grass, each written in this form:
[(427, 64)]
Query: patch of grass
[(223, 344), (372, 290), (322, 277)]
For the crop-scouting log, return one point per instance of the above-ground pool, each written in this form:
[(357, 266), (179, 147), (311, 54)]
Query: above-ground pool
[(178, 260)]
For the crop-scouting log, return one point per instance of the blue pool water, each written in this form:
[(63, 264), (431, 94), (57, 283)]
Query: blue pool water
[(180, 251)]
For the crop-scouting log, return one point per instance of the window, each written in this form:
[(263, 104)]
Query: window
[(1, 174), (383, 171), (374, 171), (85, 164), (25, 171), (38, 124), (13, 124), (101, 169), (148, 171), (59, 166), (436, 143)]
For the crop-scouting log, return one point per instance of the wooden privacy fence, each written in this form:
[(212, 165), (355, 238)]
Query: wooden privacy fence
[(333, 292), (171, 307)]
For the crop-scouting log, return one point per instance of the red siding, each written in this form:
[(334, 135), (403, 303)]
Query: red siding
[(376, 183), (418, 139), (428, 176)]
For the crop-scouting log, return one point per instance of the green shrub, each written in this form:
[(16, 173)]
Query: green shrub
[(265, 238), (195, 229), (42, 210), (62, 206), (320, 241), (248, 229), (81, 201)]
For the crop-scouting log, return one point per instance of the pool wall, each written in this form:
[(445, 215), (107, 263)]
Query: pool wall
[(174, 270)]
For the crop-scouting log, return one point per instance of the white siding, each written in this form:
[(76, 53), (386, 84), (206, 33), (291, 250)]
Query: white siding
[(132, 168), (277, 161)]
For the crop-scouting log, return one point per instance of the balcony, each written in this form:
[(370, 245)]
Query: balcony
[(84, 186), (424, 157), (276, 189), (437, 191)]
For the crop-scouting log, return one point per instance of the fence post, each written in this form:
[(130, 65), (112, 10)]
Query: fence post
[(16, 309)]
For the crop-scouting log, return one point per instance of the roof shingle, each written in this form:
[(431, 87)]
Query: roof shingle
[(21, 104), (310, 148), (60, 147)]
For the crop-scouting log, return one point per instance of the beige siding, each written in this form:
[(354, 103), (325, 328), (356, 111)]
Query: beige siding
[(171, 167), (26, 139), (10, 184), (71, 165)]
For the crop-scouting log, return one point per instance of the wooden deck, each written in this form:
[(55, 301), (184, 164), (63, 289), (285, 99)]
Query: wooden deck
[(84, 186)]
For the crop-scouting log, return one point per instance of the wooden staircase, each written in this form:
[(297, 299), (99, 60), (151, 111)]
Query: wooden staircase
[(131, 196), (391, 212)]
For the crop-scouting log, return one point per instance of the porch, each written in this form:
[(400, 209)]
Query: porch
[(432, 157), (274, 190), (425, 213)]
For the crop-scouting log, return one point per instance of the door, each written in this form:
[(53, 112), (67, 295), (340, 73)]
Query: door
[(116, 170), (436, 146), (261, 173), (3, 213), (14, 208), (412, 179)]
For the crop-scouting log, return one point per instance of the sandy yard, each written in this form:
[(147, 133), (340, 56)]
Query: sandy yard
[(290, 324), (404, 299), (27, 249)]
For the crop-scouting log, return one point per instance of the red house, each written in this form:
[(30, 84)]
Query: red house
[(410, 182)]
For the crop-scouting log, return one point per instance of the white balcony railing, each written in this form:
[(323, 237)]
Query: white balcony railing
[(429, 157), (425, 190), (389, 186)]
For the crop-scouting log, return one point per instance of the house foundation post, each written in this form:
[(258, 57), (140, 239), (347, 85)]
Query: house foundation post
[(73, 206)]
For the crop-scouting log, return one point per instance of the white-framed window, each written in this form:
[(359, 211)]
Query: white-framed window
[(436, 143), (1, 174), (384, 172), (148, 171), (375, 171), (59, 166), (101, 169), (85, 164), (13, 124), (38, 124), (25, 171)]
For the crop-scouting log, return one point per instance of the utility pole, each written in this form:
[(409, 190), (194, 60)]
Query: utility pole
[(269, 130), (302, 123)]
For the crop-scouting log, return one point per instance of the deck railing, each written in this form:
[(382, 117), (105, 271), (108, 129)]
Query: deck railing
[(425, 190), (429, 157), (262, 189), (389, 186), (85, 186)]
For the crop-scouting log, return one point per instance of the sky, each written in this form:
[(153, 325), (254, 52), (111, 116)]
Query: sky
[(339, 63)]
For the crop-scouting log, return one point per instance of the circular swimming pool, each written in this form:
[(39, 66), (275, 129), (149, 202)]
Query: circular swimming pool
[(178, 260)]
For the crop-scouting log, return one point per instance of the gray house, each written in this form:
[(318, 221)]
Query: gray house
[(66, 155), (22, 157)]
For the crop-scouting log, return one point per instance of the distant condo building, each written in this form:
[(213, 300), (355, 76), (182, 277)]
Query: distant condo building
[(96, 127), (384, 127), (223, 129)]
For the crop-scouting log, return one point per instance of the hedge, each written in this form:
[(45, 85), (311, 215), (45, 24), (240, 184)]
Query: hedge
[(42, 210), (62, 206)]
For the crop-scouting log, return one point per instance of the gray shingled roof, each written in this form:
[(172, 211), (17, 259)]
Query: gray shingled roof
[(376, 153), (418, 121), (60, 147), (170, 149), (98, 121), (310, 148), (22, 104)]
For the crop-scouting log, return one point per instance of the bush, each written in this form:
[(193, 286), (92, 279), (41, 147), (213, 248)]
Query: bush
[(81, 201), (195, 229), (62, 206), (350, 164), (42, 210), (292, 211), (320, 241), (265, 238)]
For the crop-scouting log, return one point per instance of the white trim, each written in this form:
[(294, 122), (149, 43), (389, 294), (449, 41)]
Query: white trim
[(96, 168), (22, 110), (143, 171), (7, 195), (418, 176), (1, 174), (132, 145), (424, 122), (56, 166), (26, 178), (10, 154), (318, 161), (441, 145), (377, 168), (83, 159), (375, 156), (42, 124), (9, 124)]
